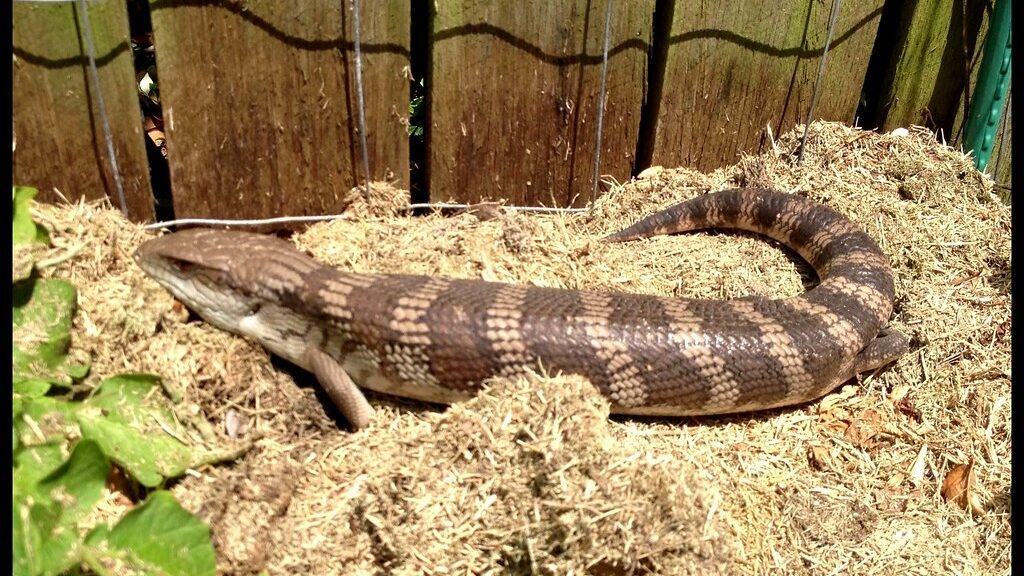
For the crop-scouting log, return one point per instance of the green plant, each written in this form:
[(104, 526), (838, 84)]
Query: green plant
[(417, 112), (68, 436)]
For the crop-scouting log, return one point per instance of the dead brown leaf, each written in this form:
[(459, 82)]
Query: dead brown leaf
[(958, 487), (864, 429), (819, 457)]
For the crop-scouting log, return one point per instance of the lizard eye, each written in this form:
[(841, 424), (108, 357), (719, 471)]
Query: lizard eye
[(182, 265)]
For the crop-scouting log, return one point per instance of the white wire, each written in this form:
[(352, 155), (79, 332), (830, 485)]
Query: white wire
[(444, 206), (325, 218), (228, 222)]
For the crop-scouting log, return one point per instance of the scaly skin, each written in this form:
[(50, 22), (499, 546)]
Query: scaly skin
[(438, 339)]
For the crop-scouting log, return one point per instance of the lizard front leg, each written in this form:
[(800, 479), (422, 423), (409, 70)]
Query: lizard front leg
[(339, 386)]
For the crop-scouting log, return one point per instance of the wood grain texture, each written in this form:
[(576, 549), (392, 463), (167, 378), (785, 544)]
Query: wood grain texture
[(928, 73), (924, 69), (735, 68), (514, 95), (958, 100), (58, 132), (261, 109)]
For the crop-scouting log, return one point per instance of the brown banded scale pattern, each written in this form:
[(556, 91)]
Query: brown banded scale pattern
[(330, 294), (792, 377), (406, 352), (624, 381), (439, 339), (503, 330), (718, 388)]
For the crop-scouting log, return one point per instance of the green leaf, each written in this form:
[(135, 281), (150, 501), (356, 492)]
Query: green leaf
[(78, 483), (46, 510), (17, 405), (42, 315), (24, 229), (161, 537), (51, 494), (133, 430), (24, 538), (76, 371), (33, 463), (415, 105), (32, 518), (44, 420), (126, 418), (76, 486), (149, 456), (31, 388), (116, 392)]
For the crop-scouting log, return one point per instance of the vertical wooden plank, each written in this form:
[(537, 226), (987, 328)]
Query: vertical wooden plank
[(385, 39), (58, 132), (928, 72), (968, 59), (514, 93), (932, 71), (736, 67), (260, 104)]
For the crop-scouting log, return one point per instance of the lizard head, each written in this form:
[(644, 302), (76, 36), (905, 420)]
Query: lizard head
[(225, 276)]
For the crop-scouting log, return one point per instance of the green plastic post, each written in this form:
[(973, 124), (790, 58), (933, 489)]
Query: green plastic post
[(993, 78)]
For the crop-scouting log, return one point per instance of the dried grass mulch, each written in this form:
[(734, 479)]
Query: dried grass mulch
[(532, 477)]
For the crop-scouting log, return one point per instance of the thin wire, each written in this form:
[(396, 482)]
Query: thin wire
[(95, 76), (362, 103), (226, 222), (600, 101), (293, 219), (444, 206), (821, 73)]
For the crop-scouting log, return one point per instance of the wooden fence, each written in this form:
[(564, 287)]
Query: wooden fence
[(261, 107)]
